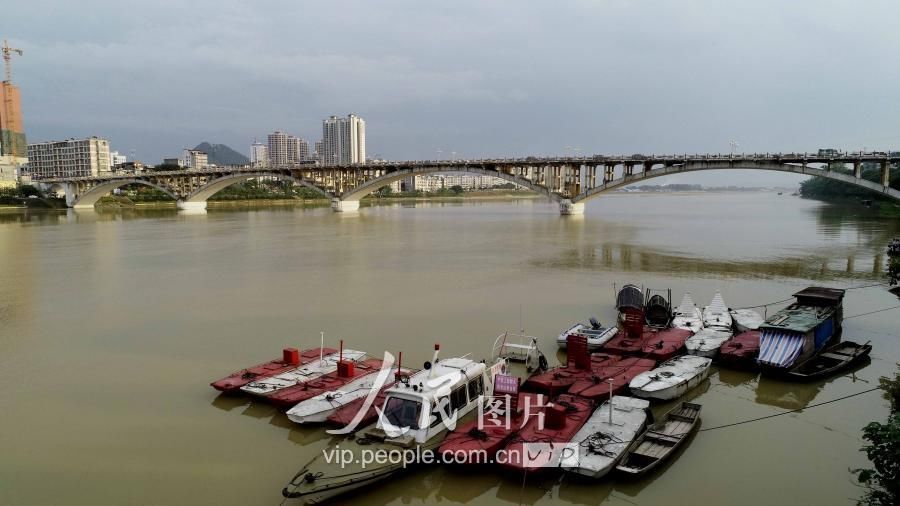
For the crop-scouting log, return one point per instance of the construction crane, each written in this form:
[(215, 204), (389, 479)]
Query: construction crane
[(7, 55)]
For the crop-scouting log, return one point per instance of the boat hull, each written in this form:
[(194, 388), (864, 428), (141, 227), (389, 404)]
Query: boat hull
[(671, 379), (234, 381)]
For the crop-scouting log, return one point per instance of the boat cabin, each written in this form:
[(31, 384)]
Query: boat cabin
[(422, 410), (802, 329)]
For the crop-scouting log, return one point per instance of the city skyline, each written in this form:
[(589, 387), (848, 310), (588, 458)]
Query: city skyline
[(479, 92)]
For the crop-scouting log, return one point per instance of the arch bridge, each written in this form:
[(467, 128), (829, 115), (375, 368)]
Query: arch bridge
[(569, 181)]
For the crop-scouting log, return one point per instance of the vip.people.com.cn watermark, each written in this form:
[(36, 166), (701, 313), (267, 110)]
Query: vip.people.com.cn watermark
[(527, 455)]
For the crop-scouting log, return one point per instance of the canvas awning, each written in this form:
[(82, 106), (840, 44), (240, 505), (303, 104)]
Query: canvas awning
[(779, 349)]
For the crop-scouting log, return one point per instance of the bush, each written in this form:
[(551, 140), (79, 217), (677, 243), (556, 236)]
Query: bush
[(882, 483)]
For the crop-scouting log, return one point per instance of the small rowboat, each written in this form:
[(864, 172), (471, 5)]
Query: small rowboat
[(318, 408), (661, 439), (707, 342), (671, 379), (832, 360), (605, 437)]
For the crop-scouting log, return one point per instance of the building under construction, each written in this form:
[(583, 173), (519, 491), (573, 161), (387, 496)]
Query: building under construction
[(13, 149)]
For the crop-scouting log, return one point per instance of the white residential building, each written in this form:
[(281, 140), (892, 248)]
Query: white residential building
[(193, 159), (115, 159), (69, 158), (285, 149), (343, 140), (259, 155)]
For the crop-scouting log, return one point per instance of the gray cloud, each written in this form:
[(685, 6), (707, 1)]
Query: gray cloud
[(475, 77)]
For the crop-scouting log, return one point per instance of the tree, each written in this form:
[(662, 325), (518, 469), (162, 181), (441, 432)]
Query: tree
[(28, 190), (883, 482), (456, 189)]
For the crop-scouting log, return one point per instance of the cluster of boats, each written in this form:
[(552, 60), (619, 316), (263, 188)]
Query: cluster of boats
[(593, 412)]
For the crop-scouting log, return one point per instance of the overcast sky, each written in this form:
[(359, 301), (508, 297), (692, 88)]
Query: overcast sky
[(473, 77)]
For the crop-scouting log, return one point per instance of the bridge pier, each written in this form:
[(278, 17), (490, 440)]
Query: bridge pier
[(185, 205), (568, 208), (344, 206)]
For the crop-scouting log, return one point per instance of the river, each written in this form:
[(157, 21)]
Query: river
[(112, 324)]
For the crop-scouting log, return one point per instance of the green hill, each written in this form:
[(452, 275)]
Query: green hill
[(220, 154)]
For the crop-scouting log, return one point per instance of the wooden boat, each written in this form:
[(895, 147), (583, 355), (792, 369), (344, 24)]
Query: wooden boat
[(665, 343), (802, 330), (661, 439), (671, 379), (716, 313), (286, 398), (707, 342), (470, 444), (563, 417), (621, 372), (606, 436), (291, 359), (299, 375), (834, 359), (746, 319), (317, 408), (741, 351), (597, 335), (416, 419), (687, 315)]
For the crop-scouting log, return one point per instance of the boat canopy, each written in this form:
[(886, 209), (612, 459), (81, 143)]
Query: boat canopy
[(798, 318), (820, 296), (779, 348), (630, 296)]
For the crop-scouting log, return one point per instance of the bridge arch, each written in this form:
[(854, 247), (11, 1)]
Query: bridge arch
[(372, 185), (200, 195), (728, 165), (90, 197)]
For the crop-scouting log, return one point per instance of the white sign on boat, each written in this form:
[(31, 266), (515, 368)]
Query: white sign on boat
[(672, 379), (602, 441)]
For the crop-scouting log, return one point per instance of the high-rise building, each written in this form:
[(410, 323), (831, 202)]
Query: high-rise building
[(285, 149), (298, 150), (69, 158), (13, 150), (193, 159), (259, 155), (343, 140)]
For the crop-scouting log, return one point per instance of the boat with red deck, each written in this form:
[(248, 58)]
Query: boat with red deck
[(563, 417), (664, 344), (580, 364), (741, 351), (291, 396), (291, 359), (621, 372)]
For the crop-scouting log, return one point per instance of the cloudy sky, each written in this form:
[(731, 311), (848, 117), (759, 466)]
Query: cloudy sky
[(475, 77)]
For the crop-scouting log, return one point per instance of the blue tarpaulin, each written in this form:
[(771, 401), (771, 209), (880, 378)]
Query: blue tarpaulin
[(778, 348)]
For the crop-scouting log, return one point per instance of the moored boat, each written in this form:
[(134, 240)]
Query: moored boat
[(741, 351), (716, 314), (687, 315), (558, 379), (834, 359), (621, 372), (707, 342), (658, 309), (661, 439), (291, 359), (672, 379), (563, 417), (800, 331), (746, 319), (299, 375), (318, 408), (416, 418), (664, 344), (596, 334), (606, 436), (286, 398)]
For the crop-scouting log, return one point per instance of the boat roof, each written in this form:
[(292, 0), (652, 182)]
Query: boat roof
[(468, 367), (820, 296), (630, 296), (797, 318)]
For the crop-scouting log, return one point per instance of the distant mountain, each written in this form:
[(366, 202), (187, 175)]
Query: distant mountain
[(220, 154)]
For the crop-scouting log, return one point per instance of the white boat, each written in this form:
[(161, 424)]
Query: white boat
[(746, 319), (716, 313), (416, 416), (672, 379), (300, 375), (596, 334), (707, 342), (687, 315), (606, 436), (318, 408)]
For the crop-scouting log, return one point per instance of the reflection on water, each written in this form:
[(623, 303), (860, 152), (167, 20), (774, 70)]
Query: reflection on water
[(120, 319)]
